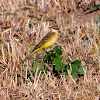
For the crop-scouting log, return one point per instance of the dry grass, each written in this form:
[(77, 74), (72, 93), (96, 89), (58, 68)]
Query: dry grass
[(80, 39)]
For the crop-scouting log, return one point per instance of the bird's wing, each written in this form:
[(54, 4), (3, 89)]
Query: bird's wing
[(44, 40)]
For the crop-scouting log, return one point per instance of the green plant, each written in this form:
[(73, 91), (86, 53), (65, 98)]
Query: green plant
[(35, 65), (9, 13), (96, 6), (53, 58)]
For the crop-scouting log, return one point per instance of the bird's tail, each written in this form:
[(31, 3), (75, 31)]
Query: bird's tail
[(28, 56)]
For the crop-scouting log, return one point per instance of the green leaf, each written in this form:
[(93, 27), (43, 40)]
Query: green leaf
[(46, 70), (77, 68), (39, 19), (33, 72), (54, 57), (51, 53), (96, 6), (81, 71), (76, 63), (58, 50), (74, 71), (5, 28), (99, 19), (58, 63), (45, 58), (37, 63), (65, 69), (8, 13), (50, 56)]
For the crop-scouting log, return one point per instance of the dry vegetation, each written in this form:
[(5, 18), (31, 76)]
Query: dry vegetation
[(23, 23)]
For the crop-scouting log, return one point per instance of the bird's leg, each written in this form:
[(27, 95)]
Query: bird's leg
[(49, 56), (50, 61), (46, 51)]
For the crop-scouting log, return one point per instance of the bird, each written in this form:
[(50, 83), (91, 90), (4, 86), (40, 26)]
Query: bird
[(48, 40)]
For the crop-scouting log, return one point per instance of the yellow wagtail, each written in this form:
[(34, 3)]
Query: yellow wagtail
[(48, 40)]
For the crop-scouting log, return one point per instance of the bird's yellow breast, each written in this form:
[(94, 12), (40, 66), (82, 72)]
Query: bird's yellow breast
[(51, 41)]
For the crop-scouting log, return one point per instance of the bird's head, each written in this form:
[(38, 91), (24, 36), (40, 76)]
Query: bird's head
[(54, 29)]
